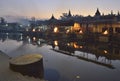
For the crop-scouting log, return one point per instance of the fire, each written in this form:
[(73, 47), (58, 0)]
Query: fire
[(105, 32), (55, 29)]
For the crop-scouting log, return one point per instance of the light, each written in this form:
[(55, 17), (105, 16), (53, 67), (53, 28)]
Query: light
[(105, 32), (27, 37), (6, 25), (28, 25), (67, 31), (33, 30), (81, 46), (39, 30), (56, 43), (76, 25), (39, 42), (68, 44), (105, 51), (34, 38), (81, 32), (27, 29), (21, 25), (55, 29), (29, 40), (75, 45)]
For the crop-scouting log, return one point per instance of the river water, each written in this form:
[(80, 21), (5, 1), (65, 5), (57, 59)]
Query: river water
[(67, 61)]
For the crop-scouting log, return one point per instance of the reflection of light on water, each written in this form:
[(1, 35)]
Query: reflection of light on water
[(75, 45), (33, 30), (21, 37), (81, 32), (26, 29), (27, 36), (38, 41), (55, 29), (67, 31), (7, 33), (68, 44), (29, 40), (81, 46), (77, 77), (34, 38), (39, 30), (56, 43), (105, 51), (105, 32)]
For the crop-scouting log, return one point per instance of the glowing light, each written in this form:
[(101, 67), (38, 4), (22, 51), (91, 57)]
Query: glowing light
[(105, 32), (39, 30), (55, 29), (77, 77), (75, 45), (81, 32), (68, 44), (33, 30), (76, 25), (56, 43), (81, 46), (29, 40), (26, 29), (7, 33), (27, 36), (21, 25), (39, 42), (6, 25), (67, 31), (105, 51), (34, 38)]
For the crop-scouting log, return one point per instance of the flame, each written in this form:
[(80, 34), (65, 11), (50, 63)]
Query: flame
[(105, 32), (55, 29)]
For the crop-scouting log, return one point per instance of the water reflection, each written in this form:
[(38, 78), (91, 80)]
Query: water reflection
[(35, 40), (70, 59), (101, 54)]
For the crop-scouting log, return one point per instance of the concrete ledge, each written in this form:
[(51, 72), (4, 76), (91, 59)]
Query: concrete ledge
[(31, 65)]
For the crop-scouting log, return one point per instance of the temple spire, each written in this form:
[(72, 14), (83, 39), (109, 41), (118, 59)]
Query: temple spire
[(118, 13), (69, 14), (52, 17), (111, 12), (97, 12)]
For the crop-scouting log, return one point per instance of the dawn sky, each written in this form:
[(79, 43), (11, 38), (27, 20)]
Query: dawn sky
[(45, 8)]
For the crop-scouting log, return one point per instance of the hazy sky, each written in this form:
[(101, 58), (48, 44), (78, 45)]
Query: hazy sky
[(45, 8)]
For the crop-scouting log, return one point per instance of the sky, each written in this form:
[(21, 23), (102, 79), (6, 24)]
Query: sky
[(45, 8)]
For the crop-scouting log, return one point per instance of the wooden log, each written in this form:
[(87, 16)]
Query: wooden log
[(31, 65)]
